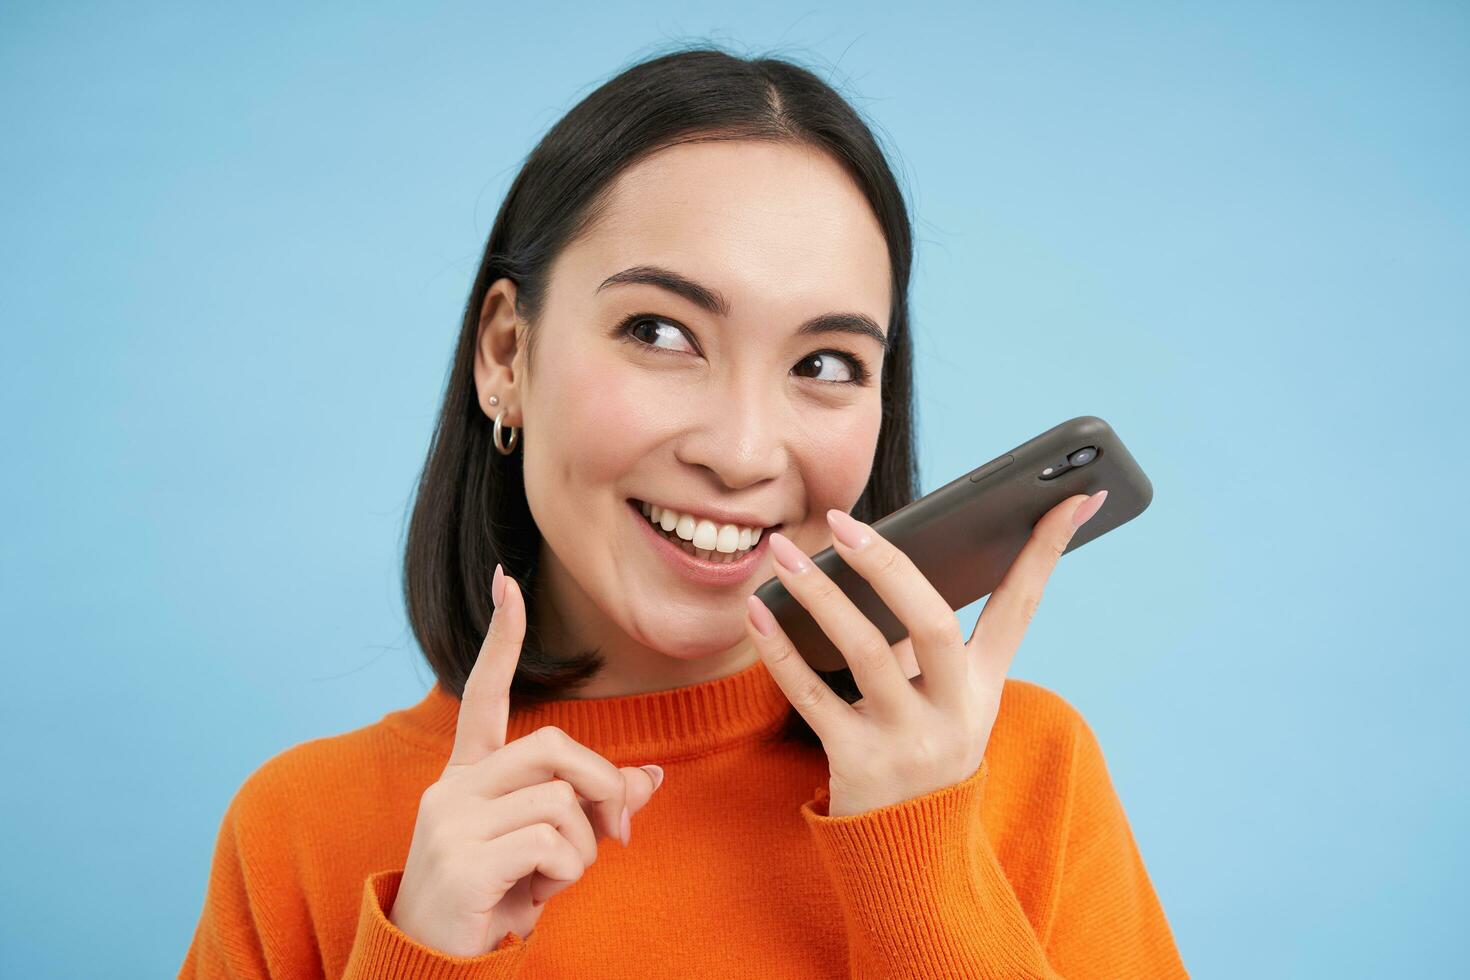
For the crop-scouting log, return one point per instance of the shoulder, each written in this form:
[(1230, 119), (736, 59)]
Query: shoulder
[(303, 830), (301, 769), (284, 803)]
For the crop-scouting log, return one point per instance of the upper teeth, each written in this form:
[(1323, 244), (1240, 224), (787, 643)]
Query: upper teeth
[(702, 532)]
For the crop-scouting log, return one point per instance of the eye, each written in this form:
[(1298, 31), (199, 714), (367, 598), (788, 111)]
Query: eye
[(646, 329), (831, 359), (636, 325)]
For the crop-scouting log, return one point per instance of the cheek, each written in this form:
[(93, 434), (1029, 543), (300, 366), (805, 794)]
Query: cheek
[(837, 458), (594, 418)]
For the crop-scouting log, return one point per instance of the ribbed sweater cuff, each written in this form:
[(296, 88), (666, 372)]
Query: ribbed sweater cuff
[(923, 894), (382, 951)]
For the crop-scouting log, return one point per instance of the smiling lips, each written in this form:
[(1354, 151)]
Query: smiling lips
[(702, 537), (703, 566)]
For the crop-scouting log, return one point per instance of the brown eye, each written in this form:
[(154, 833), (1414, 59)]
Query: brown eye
[(827, 361), (638, 329), (648, 331)]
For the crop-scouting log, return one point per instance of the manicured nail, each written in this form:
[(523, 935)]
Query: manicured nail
[(656, 773), (497, 586), (848, 529), (760, 615), (787, 553), (627, 827), (1089, 507)]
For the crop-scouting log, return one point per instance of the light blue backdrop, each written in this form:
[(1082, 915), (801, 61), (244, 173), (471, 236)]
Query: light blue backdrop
[(236, 245)]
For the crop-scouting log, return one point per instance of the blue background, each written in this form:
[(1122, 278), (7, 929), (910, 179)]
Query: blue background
[(236, 245)]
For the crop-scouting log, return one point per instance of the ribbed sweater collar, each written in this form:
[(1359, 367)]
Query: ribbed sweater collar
[(632, 729)]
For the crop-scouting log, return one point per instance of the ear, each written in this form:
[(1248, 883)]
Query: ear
[(499, 366)]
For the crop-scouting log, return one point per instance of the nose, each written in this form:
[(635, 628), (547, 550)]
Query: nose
[(741, 436)]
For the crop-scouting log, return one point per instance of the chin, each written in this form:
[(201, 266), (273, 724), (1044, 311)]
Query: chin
[(690, 641)]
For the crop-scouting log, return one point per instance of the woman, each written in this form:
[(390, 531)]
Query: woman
[(685, 359)]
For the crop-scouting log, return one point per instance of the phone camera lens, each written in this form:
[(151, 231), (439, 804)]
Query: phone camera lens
[(1083, 456)]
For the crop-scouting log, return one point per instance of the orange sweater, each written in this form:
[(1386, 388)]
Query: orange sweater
[(1026, 869)]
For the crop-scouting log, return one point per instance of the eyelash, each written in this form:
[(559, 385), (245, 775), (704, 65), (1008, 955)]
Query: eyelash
[(860, 373)]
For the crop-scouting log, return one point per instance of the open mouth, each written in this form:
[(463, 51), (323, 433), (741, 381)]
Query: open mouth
[(707, 565)]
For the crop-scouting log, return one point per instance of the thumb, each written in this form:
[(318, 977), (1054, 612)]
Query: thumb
[(641, 783)]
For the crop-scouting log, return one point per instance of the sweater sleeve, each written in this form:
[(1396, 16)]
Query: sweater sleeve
[(924, 895), (382, 950), (252, 927), (1107, 920)]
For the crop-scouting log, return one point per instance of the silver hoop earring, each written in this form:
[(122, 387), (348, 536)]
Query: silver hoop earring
[(505, 450)]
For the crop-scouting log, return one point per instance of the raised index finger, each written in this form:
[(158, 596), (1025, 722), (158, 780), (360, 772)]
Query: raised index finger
[(484, 710)]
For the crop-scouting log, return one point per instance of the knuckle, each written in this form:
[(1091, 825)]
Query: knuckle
[(823, 589), (872, 647), (944, 631), (545, 836), (552, 735), (808, 694), (781, 652), (889, 561), (429, 800), (563, 793), (1029, 604)]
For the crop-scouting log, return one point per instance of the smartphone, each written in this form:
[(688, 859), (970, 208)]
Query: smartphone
[(964, 536)]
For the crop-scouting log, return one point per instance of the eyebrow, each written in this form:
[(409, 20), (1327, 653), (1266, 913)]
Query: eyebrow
[(712, 301)]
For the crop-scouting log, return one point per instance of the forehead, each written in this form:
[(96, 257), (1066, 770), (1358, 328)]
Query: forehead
[(779, 229)]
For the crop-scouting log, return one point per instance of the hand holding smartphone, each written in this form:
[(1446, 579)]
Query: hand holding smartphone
[(964, 536)]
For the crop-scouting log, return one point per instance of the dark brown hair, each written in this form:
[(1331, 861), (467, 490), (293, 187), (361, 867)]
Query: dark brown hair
[(470, 510)]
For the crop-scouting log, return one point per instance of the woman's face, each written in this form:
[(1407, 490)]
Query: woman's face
[(639, 394)]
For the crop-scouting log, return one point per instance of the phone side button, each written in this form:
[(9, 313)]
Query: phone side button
[(992, 467)]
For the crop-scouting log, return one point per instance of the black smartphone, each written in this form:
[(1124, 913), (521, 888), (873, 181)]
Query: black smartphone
[(964, 536)]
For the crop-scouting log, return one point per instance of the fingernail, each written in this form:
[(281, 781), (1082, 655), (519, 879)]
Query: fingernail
[(655, 773), (788, 554), (1089, 507), (497, 586), (760, 615), (627, 827), (848, 529)]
